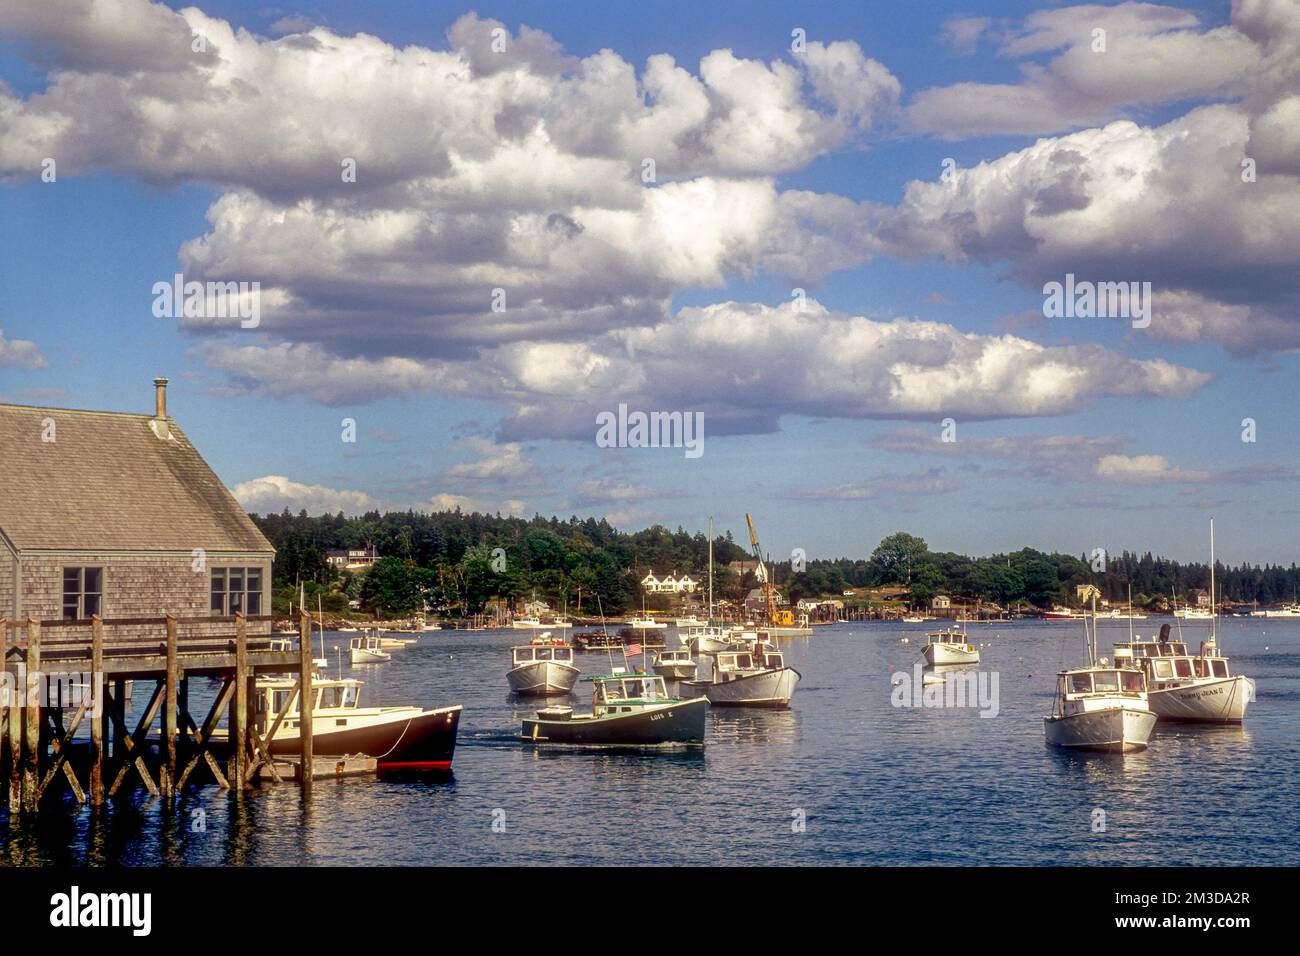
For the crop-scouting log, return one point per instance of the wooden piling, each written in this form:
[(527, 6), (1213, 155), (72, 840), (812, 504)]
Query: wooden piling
[(32, 709), (237, 768), (11, 740), (170, 722), (305, 699), (97, 716)]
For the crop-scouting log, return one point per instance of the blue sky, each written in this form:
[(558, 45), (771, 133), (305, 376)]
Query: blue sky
[(818, 170)]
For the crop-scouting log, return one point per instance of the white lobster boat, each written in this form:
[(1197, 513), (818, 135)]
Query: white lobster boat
[(949, 646), (368, 650), (1100, 707), (712, 639), (750, 678), (1184, 687), (676, 664), (646, 624), (1191, 688), (543, 668)]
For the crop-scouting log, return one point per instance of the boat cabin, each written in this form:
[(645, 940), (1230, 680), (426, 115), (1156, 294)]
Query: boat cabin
[(623, 692), (275, 695), (1136, 649), (680, 656), (946, 637), (1100, 682), (748, 661), (1169, 662), (533, 653)]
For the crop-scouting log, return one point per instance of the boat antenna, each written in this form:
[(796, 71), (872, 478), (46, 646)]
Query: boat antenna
[(604, 633)]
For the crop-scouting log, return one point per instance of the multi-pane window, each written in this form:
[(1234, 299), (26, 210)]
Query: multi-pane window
[(237, 591), (83, 592)]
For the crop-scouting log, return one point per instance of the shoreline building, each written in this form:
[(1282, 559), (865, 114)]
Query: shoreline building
[(118, 515), (669, 585)]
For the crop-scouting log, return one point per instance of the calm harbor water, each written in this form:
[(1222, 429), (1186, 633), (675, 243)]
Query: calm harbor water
[(872, 783)]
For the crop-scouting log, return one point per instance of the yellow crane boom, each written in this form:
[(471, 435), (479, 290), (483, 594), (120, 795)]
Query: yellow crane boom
[(774, 615)]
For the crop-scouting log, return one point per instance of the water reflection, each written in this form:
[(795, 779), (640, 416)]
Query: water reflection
[(864, 771)]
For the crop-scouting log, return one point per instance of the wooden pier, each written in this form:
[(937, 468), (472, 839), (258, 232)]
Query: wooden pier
[(60, 676)]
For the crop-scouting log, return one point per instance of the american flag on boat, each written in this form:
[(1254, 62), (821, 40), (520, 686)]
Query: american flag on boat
[(631, 650)]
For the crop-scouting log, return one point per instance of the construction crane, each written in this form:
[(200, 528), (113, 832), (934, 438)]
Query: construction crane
[(775, 616)]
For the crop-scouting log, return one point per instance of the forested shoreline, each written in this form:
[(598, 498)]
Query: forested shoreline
[(457, 563)]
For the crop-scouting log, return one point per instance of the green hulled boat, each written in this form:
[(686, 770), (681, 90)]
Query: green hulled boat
[(626, 711)]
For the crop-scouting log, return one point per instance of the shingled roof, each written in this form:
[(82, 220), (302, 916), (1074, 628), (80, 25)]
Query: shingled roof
[(109, 483)]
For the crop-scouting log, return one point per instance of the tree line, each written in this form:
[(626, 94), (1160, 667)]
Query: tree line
[(455, 563)]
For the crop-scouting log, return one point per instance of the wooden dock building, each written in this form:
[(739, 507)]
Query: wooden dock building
[(123, 558)]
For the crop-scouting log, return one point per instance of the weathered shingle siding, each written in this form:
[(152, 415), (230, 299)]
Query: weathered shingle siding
[(7, 609), (138, 586)]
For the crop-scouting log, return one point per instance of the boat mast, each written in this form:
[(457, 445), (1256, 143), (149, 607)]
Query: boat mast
[(1130, 612), (1094, 627), (710, 569), (1214, 602)]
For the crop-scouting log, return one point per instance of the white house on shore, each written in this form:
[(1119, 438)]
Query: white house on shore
[(669, 585), (351, 559)]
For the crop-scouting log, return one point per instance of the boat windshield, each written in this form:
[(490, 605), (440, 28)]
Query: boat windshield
[(634, 688), (523, 655), (336, 697), (1107, 682)]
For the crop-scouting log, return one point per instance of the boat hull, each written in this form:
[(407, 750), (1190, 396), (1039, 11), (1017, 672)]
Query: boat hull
[(370, 657), (675, 722), (936, 654), (676, 671), (414, 741), (1221, 701), (767, 689), (1112, 730), (542, 679)]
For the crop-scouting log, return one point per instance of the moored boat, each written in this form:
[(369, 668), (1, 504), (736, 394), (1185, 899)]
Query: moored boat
[(367, 650), (406, 738), (1184, 687), (949, 646), (1099, 707), (676, 664), (543, 668), (645, 624), (626, 711), (756, 677)]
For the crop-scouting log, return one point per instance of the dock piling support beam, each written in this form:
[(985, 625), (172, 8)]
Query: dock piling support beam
[(34, 734), (12, 738), (305, 699), (170, 723), (237, 770), (97, 716)]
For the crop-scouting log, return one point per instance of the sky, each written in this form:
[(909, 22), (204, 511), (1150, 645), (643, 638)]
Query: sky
[(827, 231)]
